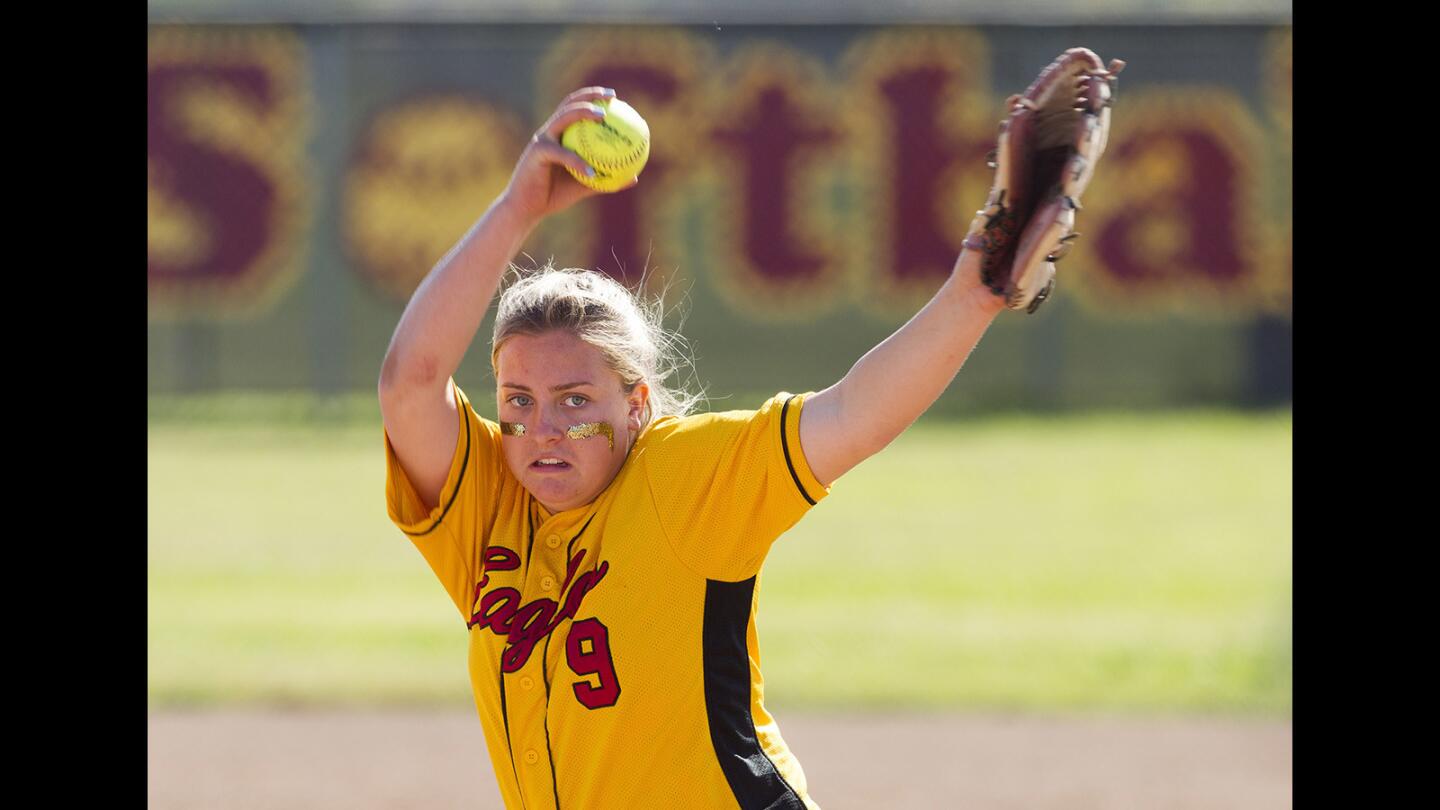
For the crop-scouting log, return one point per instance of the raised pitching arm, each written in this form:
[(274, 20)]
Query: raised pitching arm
[(443, 315), (895, 382)]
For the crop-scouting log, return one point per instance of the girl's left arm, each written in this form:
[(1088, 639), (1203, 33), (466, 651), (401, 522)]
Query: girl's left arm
[(899, 379)]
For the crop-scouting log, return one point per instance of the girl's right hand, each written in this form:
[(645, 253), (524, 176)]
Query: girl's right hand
[(540, 185)]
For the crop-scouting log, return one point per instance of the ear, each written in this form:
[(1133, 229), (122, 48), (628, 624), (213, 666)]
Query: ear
[(636, 401)]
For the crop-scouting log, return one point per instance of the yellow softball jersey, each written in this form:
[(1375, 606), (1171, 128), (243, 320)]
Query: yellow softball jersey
[(613, 652)]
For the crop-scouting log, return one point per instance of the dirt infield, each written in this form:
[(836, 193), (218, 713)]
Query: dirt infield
[(254, 760)]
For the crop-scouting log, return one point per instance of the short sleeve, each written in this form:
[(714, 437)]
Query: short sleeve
[(726, 485), (452, 535)]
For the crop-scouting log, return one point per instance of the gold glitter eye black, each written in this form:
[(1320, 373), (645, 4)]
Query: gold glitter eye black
[(589, 429)]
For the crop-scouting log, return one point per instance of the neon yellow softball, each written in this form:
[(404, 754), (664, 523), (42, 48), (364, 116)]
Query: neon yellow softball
[(616, 148)]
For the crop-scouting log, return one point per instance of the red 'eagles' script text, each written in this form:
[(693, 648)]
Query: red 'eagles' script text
[(526, 626)]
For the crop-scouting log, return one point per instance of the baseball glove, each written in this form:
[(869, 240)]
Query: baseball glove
[(1050, 142)]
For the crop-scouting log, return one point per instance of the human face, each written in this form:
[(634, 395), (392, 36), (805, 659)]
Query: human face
[(549, 383)]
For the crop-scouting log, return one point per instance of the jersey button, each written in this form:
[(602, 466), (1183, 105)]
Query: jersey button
[(553, 541), (531, 757), (546, 583), (527, 682)]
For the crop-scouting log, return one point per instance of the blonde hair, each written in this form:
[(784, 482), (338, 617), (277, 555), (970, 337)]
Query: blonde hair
[(627, 329)]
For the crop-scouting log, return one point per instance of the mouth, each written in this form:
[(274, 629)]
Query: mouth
[(549, 465)]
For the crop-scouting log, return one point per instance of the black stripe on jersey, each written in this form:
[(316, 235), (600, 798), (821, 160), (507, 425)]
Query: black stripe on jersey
[(510, 748), (785, 445), (458, 481), (530, 549), (554, 786), (752, 776), (549, 752), (570, 546)]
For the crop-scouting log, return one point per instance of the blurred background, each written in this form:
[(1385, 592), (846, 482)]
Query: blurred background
[(1091, 526)]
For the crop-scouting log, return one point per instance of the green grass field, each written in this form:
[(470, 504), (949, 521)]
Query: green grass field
[(1102, 562)]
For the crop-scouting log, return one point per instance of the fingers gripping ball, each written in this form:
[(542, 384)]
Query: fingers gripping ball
[(616, 148)]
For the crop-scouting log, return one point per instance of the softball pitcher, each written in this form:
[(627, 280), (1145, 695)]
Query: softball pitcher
[(602, 546)]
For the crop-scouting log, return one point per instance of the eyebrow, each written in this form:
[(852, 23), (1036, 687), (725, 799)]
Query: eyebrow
[(560, 387)]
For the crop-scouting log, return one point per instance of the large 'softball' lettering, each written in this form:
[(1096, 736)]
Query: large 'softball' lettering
[(228, 194), (771, 133), (921, 154)]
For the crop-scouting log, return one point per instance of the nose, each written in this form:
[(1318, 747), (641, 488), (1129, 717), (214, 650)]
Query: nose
[(549, 428)]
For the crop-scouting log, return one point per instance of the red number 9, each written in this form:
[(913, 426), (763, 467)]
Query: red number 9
[(587, 651)]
